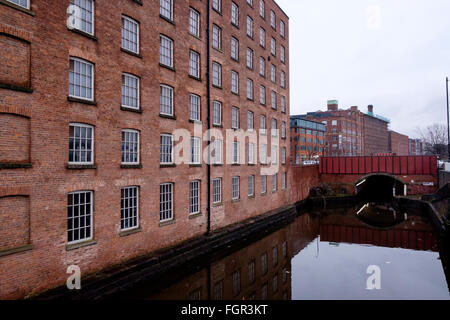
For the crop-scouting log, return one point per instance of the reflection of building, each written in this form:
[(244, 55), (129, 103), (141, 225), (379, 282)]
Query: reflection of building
[(307, 139)]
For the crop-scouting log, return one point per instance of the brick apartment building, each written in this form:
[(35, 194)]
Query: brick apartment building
[(375, 133), (91, 93), (307, 139), (398, 143)]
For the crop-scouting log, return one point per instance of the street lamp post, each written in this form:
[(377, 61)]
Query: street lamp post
[(448, 123)]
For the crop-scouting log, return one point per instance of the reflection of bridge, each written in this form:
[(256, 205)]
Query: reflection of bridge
[(417, 173)]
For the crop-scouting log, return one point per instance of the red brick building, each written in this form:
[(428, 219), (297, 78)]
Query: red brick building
[(398, 143), (93, 95), (307, 139)]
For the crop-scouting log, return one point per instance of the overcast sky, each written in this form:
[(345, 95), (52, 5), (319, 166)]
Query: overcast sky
[(394, 54)]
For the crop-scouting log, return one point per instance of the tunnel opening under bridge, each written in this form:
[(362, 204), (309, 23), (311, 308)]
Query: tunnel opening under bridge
[(379, 187)]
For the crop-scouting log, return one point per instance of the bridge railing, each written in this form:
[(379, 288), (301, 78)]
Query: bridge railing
[(395, 165)]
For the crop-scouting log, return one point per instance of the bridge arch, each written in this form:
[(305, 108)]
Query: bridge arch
[(379, 186)]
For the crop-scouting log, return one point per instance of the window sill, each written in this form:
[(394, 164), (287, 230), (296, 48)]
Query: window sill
[(217, 125), (131, 109), (195, 215), (131, 53), (15, 165), (167, 19), (235, 60), (81, 166), (235, 25), (172, 165), (235, 200), (218, 49), (195, 165), (167, 67), (167, 223), (79, 100), (129, 232), (219, 204), (138, 2), (131, 166), (217, 87), (250, 99), (17, 7), (235, 165), (217, 11), (195, 121), (251, 164), (7, 252), (252, 197), (166, 116), (79, 245), (195, 36), (85, 34), (195, 78), (217, 165), (264, 194), (235, 93), (15, 88)]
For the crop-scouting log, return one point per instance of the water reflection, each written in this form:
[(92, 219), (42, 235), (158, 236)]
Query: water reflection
[(321, 256)]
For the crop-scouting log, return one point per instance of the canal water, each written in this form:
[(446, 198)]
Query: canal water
[(368, 251)]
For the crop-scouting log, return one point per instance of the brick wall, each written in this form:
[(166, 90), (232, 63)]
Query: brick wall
[(16, 140), (15, 226)]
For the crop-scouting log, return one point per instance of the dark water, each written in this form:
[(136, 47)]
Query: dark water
[(333, 254)]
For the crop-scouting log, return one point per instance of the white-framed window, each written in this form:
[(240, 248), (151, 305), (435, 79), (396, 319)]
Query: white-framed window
[(166, 51), (234, 82), (235, 188), (250, 3), (217, 113), (249, 58), (234, 48), (273, 46), (235, 152), (283, 155), (194, 197), (194, 107), (273, 73), (81, 79), (273, 23), (251, 153), (262, 124), (334, 122), (165, 202), (262, 66), (129, 208), (217, 5), (80, 210), (217, 153), (217, 74), (283, 129), (81, 143), (250, 120), (130, 146), (216, 37), (283, 181), (234, 118), (194, 22), (83, 18), (283, 104), (282, 54), (166, 100), (166, 150), (263, 153), (262, 37), (194, 64), (130, 91), (274, 155), (274, 182), (282, 31), (262, 95), (263, 184), (196, 150), (130, 34), (234, 14), (166, 9), (251, 186), (249, 27), (217, 190), (262, 9), (274, 100), (274, 127), (250, 89), (23, 3), (283, 79)]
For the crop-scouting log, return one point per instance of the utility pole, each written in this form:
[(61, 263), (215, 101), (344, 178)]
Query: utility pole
[(448, 124)]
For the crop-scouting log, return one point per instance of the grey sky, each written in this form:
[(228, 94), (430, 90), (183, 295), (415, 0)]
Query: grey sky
[(340, 50)]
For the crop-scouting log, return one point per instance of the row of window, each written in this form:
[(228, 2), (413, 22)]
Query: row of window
[(80, 205), (81, 148)]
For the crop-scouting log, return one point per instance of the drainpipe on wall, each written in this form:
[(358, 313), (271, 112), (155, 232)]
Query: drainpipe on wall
[(208, 101)]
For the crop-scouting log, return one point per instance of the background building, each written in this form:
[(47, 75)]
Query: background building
[(375, 133), (398, 143), (415, 147), (307, 139)]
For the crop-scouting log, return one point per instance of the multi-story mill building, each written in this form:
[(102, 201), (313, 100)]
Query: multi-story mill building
[(94, 97)]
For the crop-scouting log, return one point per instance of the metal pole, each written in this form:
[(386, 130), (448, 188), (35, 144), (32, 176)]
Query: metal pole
[(448, 123)]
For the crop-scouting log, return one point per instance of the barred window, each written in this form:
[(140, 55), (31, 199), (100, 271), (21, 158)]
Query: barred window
[(130, 91), (251, 153), (250, 121), (195, 295), (283, 180), (194, 107), (81, 19), (166, 51), (166, 9), (166, 202), (216, 37), (251, 186), (81, 79), (262, 95), (249, 58), (130, 34), (217, 5), (282, 29), (274, 182), (194, 197), (262, 12), (217, 190), (234, 118), (217, 113), (272, 19), (283, 155), (81, 144), (194, 22), (130, 147), (275, 255), (217, 74), (273, 74), (234, 48), (217, 151), (236, 277), (264, 263), (263, 184), (235, 152), (166, 100), (249, 27), (79, 216), (262, 124), (262, 37), (234, 14), (283, 104), (283, 129), (263, 153), (283, 79), (251, 272), (22, 3), (195, 150), (129, 208), (284, 249), (234, 82), (166, 156), (282, 54), (274, 100), (262, 66), (250, 3), (250, 89), (194, 64), (273, 46), (274, 127), (235, 188)]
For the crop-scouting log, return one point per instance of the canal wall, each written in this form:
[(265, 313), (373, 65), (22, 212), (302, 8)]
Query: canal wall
[(302, 179)]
